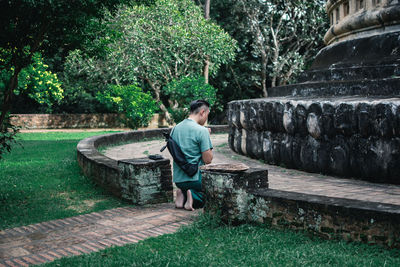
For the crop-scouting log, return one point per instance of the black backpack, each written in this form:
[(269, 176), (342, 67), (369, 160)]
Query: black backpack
[(178, 156)]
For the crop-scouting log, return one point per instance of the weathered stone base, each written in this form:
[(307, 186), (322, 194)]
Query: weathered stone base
[(230, 191), (145, 181), (331, 218), (348, 136)]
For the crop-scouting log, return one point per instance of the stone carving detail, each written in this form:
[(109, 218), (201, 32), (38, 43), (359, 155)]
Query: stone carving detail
[(347, 136)]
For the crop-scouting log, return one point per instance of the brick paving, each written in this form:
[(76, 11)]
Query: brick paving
[(47, 241)]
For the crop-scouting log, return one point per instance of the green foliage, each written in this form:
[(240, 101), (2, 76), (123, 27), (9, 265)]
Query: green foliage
[(154, 44), (137, 106), (42, 85), (41, 181), (299, 37), (182, 92), (35, 81)]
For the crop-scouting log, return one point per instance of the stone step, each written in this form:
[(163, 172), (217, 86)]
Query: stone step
[(353, 72), (376, 87)]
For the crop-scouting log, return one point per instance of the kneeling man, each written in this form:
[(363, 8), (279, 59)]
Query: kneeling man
[(194, 141)]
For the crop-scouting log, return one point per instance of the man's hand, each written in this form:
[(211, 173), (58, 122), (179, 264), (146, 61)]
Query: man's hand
[(207, 156), (209, 130)]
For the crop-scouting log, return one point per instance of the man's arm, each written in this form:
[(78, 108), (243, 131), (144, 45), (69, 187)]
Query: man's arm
[(207, 156)]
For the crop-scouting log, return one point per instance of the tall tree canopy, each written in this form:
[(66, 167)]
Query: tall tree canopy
[(277, 39), (155, 44)]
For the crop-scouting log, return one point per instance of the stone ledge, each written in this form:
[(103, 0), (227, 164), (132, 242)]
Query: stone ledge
[(337, 204), (352, 72), (118, 177), (374, 87), (331, 218)]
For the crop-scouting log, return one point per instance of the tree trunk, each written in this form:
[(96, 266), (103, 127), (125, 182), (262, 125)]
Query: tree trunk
[(264, 72), (207, 9), (207, 62), (163, 108), (8, 96)]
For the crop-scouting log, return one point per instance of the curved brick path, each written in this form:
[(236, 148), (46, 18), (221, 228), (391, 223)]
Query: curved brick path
[(47, 241)]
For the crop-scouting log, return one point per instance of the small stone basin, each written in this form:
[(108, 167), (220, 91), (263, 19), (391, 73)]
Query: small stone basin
[(225, 167)]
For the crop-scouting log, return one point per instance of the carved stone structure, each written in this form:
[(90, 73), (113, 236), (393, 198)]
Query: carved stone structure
[(352, 19), (343, 117)]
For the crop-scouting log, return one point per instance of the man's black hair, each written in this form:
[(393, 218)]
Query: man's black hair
[(196, 105)]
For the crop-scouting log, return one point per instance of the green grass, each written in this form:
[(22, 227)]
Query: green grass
[(205, 244), (42, 181)]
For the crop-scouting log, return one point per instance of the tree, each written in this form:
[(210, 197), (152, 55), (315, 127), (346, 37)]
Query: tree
[(155, 44), (31, 26), (206, 63), (277, 40)]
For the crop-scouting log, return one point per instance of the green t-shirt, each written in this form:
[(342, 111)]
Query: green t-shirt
[(193, 139)]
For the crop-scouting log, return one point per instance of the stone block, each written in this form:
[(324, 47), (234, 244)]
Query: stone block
[(230, 191), (142, 179)]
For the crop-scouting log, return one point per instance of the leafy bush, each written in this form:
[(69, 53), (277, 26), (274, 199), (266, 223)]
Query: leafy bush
[(34, 80), (182, 92), (41, 85), (137, 106)]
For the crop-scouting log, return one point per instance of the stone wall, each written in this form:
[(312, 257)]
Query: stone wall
[(140, 181), (347, 136), (331, 218), (59, 121)]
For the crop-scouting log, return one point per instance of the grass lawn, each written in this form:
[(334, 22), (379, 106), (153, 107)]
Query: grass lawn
[(42, 181), (206, 244)]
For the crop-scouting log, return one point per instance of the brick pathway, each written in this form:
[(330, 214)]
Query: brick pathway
[(47, 241)]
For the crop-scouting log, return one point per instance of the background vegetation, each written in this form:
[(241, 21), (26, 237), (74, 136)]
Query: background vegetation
[(59, 56)]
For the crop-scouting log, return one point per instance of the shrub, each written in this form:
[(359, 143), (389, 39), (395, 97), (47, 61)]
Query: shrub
[(137, 106), (182, 92)]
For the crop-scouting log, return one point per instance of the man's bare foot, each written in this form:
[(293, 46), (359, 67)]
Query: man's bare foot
[(189, 201), (179, 201)]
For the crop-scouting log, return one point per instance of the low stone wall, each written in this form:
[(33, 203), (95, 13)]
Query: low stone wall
[(140, 181), (348, 136), (60, 121), (238, 200)]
